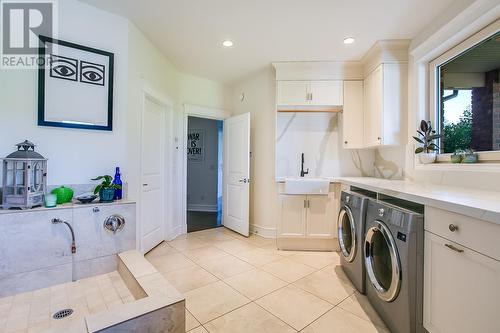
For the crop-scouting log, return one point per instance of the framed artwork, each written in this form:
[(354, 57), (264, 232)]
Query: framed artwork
[(196, 145), (75, 86)]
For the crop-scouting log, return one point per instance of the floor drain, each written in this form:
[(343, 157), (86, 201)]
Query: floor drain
[(62, 314)]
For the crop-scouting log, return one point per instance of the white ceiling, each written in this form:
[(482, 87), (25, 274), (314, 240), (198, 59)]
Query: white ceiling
[(190, 32)]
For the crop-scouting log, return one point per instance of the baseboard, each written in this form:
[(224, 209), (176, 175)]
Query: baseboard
[(174, 233), (307, 244), (265, 232), (201, 208)]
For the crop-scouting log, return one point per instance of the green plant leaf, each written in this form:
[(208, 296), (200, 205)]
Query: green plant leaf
[(424, 127), (419, 150), (418, 139), (98, 178), (435, 136), (97, 189)]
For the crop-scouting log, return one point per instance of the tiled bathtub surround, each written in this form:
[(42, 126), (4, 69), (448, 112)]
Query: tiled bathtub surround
[(33, 310), (104, 303), (34, 253)]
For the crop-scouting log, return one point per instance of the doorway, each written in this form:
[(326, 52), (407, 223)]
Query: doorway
[(204, 173)]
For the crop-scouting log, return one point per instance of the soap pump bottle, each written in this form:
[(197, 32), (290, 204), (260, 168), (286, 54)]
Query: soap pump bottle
[(117, 181)]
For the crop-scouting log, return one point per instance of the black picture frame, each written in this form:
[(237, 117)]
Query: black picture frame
[(41, 86)]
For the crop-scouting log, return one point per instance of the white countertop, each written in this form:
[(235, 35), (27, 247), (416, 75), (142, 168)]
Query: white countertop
[(70, 205), (484, 205)]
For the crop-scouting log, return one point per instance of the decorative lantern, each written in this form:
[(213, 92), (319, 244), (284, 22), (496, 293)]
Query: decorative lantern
[(24, 177)]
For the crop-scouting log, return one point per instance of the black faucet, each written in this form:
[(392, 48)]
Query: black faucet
[(302, 172)]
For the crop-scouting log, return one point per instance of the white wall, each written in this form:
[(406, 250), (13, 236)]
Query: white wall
[(75, 156), (259, 101), (202, 175), (457, 23), (199, 91)]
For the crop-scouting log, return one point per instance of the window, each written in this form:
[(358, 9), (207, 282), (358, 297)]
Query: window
[(468, 98)]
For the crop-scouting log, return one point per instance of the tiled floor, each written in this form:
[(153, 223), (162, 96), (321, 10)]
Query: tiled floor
[(236, 284), (32, 311)]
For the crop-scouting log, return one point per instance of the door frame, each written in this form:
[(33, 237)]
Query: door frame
[(200, 112), (148, 92)]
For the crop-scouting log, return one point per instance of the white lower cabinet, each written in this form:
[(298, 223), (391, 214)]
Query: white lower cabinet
[(293, 216), (461, 288), (307, 222), (321, 217)]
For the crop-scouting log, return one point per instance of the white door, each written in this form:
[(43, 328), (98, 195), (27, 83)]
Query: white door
[(152, 209), (326, 92), (236, 193), (293, 92), (293, 216), (321, 216)]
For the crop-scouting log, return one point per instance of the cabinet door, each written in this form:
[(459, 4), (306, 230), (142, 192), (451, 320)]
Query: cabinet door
[(321, 217), (326, 92), (293, 92), (373, 110), (293, 216), (461, 288), (352, 115), (395, 103)]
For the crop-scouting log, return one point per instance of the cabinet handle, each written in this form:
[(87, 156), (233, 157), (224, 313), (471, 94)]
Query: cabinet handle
[(379, 138), (453, 227), (345, 142), (308, 204), (456, 249)]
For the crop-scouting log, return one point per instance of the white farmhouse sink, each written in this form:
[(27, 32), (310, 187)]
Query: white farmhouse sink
[(307, 186)]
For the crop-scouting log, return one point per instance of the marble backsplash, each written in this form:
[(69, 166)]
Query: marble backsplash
[(319, 137)]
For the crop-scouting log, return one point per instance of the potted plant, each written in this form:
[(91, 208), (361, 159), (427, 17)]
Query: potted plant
[(106, 188), (426, 136), (457, 156), (470, 156)]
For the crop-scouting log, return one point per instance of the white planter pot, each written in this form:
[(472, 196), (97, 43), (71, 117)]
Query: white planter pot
[(427, 158)]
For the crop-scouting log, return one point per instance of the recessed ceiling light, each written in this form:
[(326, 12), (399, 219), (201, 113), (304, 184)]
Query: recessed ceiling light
[(227, 43), (349, 40)]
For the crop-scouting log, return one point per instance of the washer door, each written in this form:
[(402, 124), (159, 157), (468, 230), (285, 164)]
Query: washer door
[(346, 234), (382, 262)]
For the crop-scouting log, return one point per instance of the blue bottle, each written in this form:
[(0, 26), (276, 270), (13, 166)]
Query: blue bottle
[(117, 180)]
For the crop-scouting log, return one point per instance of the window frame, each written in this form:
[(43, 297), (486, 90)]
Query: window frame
[(492, 156)]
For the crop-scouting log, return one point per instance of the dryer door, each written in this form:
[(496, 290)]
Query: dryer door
[(346, 234), (382, 261)]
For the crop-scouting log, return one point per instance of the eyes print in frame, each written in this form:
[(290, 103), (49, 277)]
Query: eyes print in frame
[(75, 86)]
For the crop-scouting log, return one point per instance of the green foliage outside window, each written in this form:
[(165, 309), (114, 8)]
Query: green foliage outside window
[(458, 136)]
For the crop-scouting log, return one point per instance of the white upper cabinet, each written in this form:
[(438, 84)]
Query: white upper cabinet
[(352, 115), (293, 93), (326, 92), (309, 93), (385, 104)]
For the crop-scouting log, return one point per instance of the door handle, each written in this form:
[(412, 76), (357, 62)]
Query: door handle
[(244, 180), (144, 184), (456, 249)]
